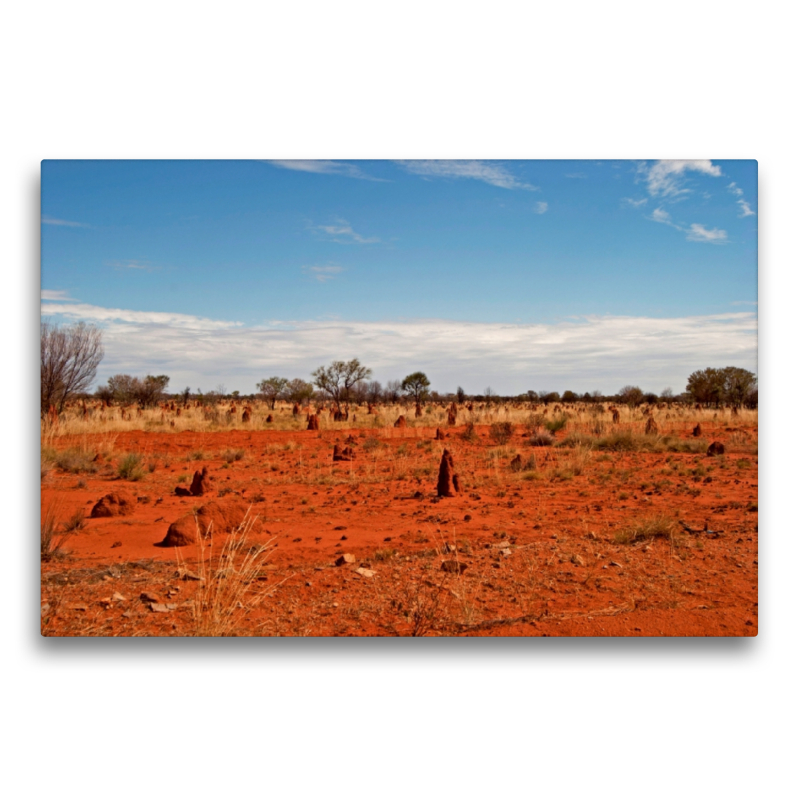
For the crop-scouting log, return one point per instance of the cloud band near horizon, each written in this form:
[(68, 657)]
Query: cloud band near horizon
[(583, 354)]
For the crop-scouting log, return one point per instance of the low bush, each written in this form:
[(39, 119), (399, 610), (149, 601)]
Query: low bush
[(468, 434), (75, 461), (130, 467), (541, 439), (556, 424), (501, 432)]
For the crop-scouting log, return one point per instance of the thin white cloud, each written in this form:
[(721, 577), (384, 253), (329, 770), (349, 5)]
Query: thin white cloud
[(659, 215), (582, 354), (634, 203), (323, 273), (665, 178), (694, 233), (490, 172), (734, 189), (55, 295), (744, 207), (324, 168), (100, 314), (64, 222), (540, 208), (576, 175), (130, 264), (342, 232), (699, 233)]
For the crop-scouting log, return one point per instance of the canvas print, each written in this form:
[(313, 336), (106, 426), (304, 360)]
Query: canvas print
[(399, 398)]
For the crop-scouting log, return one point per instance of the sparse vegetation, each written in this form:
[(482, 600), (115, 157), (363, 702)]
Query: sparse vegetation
[(659, 526), (129, 467)]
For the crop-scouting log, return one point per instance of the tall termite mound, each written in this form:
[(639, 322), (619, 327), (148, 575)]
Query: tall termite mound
[(448, 483)]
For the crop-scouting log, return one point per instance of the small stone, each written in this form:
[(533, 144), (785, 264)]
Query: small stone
[(79, 607), (149, 598), (506, 552), (614, 564), (116, 544), (160, 608), (365, 573), (467, 517), (576, 559), (453, 566), (188, 575), (502, 545), (345, 558), (118, 598)]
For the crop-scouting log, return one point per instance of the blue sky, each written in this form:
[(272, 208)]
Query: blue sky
[(515, 274)]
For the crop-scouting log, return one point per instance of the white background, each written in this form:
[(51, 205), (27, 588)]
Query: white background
[(119, 719)]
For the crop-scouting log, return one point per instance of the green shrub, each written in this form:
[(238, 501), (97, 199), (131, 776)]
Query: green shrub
[(75, 461), (130, 467), (556, 424)]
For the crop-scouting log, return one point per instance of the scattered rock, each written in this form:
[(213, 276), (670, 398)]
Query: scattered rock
[(116, 544), (118, 598), (116, 504), (454, 566), (345, 558), (365, 573), (180, 491), (160, 608), (149, 598)]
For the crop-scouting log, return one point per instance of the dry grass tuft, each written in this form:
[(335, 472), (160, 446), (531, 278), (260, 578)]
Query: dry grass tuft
[(53, 540), (656, 527), (225, 595)]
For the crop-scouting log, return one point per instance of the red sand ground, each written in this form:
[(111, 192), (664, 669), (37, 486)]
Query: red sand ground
[(540, 551)]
